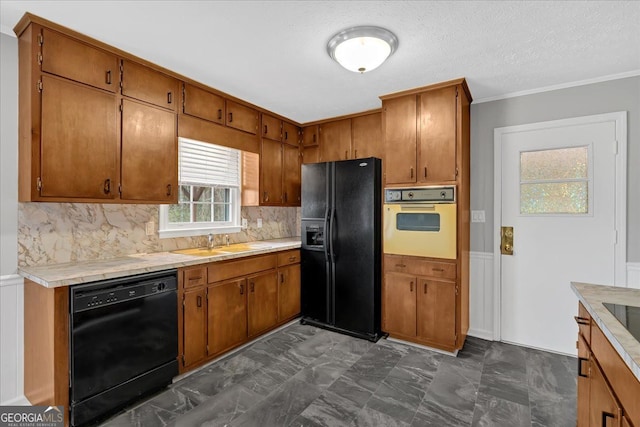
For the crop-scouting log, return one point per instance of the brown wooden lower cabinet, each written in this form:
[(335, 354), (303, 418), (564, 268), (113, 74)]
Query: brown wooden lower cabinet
[(262, 304), (227, 315), (607, 389), (420, 301), (227, 303)]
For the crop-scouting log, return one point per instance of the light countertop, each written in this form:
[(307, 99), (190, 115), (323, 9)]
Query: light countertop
[(592, 297), (56, 275)]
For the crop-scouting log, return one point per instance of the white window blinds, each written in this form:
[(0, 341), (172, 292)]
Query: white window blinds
[(207, 164)]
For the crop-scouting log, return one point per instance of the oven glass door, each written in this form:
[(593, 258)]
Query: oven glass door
[(427, 230)]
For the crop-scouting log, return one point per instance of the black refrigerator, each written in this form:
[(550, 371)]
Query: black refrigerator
[(341, 246)]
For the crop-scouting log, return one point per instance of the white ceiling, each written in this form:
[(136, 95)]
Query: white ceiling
[(273, 53)]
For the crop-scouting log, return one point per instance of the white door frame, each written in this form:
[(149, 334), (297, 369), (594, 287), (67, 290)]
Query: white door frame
[(620, 119)]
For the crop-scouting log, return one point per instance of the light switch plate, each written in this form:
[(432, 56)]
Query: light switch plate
[(477, 216), (149, 228), (259, 222), (244, 223)]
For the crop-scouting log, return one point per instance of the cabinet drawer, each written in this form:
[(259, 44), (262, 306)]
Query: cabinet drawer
[(288, 257), (583, 319), (66, 57), (228, 269), (195, 277), (624, 384), (420, 266), (148, 85), (203, 104)]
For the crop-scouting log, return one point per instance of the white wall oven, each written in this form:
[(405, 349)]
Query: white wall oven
[(420, 221)]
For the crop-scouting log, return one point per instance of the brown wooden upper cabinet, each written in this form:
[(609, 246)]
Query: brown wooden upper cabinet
[(271, 127), (420, 136), (203, 104), (311, 154), (291, 175), (242, 117), (310, 136), (271, 172), (290, 134), (74, 60), (366, 136), (145, 84), (335, 140)]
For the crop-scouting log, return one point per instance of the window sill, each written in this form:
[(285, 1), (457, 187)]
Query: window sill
[(190, 232)]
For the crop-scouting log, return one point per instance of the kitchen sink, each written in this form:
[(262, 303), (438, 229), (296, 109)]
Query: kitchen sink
[(221, 250)]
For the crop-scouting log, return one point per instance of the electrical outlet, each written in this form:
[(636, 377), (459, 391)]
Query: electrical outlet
[(259, 222), (244, 224), (150, 228), (477, 216)]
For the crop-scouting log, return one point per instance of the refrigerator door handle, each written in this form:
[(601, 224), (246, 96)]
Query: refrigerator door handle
[(332, 226), (326, 231)]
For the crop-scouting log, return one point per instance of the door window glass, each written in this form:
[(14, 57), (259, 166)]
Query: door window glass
[(555, 181)]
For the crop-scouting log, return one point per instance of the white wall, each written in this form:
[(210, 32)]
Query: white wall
[(11, 290)]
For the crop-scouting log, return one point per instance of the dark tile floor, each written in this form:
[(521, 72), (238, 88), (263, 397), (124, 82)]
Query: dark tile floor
[(305, 376)]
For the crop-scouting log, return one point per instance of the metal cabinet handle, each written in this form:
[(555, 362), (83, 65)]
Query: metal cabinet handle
[(400, 265), (285, 196), (107, 186), (195, 278), (169, 97), (219, 113), (265, 196), (199, 301), (292, 258), (265, 129), (168, 189), (108, 77), (346, 154), (314, 138), (412, 172), (581, 320), (241, 289), (425, 171), (252, 286), (230, 117), (606, 415), (425, 288), (580, 373), (286, 135), (281, 277), (411, 287), (438, 269), (355, 154)]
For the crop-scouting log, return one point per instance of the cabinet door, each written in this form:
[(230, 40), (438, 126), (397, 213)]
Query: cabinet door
[(194, 325), (437, 157), (148, 85), (367, 136), (399, 128), (400, 304), (262, 302), (335, 140), (584, 357), (79, 141), (289, 292), (227, 315), (203, 104), (291, 175), (66, 57), (604, 409), (290, 134), (311, 154), (149, 153), (437, 311), (271, 128), (271, 172), (241, 117), (310, 136)]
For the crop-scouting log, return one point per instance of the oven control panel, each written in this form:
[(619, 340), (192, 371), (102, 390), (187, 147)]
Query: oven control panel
[(441, 194)]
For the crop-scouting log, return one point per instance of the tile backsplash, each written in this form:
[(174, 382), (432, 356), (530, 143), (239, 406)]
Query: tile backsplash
[(51, 233)]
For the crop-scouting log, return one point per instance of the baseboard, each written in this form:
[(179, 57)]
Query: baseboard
[(633, 275), (16, 401), (480, 333)]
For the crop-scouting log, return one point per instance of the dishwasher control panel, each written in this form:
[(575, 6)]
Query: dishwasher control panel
[(91, 296)]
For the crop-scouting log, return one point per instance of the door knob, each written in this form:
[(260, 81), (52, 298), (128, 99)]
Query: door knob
[(506, 240)]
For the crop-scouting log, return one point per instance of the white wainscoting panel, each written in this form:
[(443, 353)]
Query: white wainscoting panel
[(481, 295), (11, 340), (633, 275)]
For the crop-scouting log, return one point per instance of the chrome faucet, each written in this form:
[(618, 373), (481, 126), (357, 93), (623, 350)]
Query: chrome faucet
[(210, 241), (226, 238)]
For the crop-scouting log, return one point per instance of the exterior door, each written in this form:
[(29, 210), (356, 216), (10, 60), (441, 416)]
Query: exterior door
[(558, 192)]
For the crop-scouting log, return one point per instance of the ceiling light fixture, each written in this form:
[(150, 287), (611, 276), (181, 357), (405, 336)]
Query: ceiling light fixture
[(362, 49)]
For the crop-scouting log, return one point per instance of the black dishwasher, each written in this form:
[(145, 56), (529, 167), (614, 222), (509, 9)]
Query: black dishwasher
[(124, 342)]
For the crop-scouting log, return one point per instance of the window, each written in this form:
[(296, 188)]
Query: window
[(209, 191), (555, 181)]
